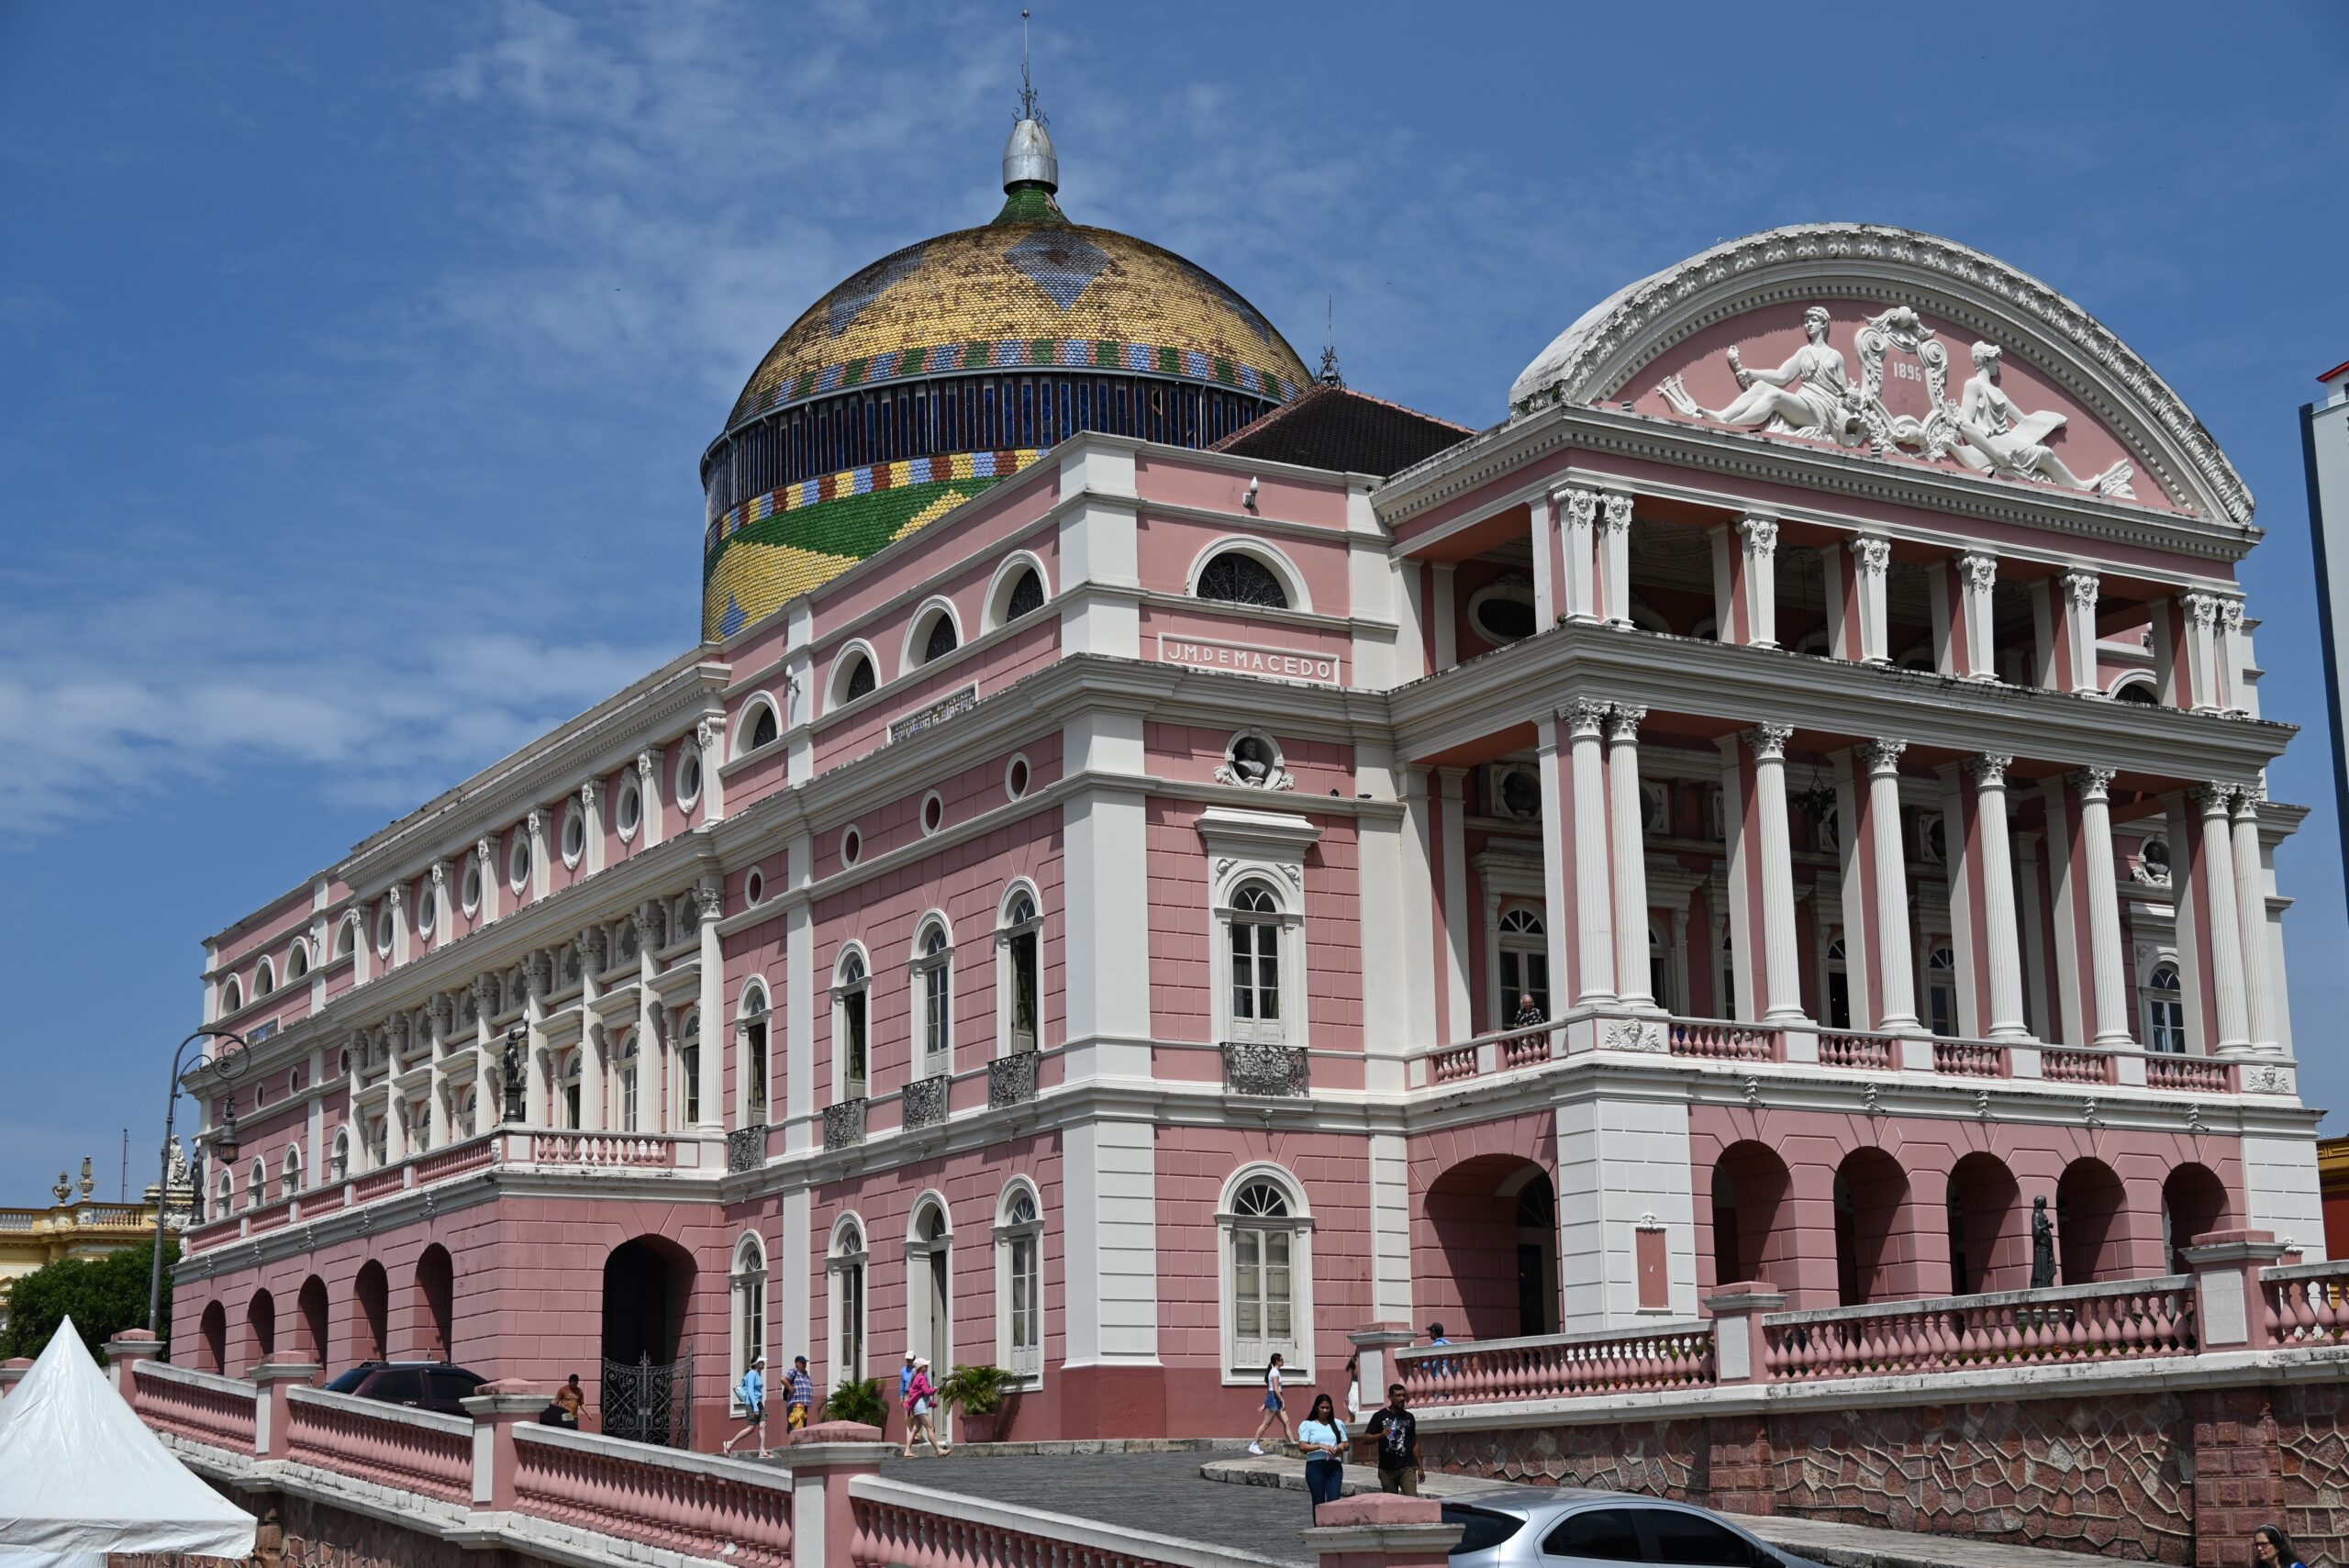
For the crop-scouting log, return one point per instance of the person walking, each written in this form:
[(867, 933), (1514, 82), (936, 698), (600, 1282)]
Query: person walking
[(2271, 1548), (1323, 1438), (1275, 1412), (798, 1395), (751, 1394), (906, 1386), (922, 1398), (1397, 1431), (1436, 1336)]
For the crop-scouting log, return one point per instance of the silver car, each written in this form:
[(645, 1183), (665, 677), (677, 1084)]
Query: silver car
[(1569, 1527)]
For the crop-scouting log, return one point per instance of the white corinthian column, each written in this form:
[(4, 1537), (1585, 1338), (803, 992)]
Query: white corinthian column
[(1595, 959), (1631, 979), (1895, 972), (2250, 914), (1782, 983), (2106, 968), (2225, 936), (1989, 774)]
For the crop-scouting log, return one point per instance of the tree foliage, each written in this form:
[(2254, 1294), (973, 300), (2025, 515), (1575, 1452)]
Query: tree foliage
[(103, 1295)]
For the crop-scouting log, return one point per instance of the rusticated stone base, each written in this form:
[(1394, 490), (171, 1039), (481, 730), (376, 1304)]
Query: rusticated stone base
[(2177, 1478), (296, 1532)]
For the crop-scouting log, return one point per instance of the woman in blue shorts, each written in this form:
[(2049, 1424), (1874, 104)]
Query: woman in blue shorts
[(1275, 1417)]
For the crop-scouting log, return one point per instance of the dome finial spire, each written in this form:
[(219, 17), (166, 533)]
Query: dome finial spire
[(1032, 170), (1027, 109)]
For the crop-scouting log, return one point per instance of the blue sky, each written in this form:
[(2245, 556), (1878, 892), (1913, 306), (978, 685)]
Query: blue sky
[(354, 359)]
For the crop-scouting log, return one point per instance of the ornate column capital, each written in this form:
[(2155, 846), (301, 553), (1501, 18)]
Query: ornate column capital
[(1988, 770), (2203, 609), (1767, 742), (440, 874), (648, 924), (2213, 799), (538, 971), (1873, 554), (592, 943), (1882, 756), (646, 761), (485, 852), (706, 734), (2248, 798), (1583, 717), (1980, 569), (1576, 505), (484, 989), (395, 898), (1761, 535), (710, 894), (2083, 588), (535, 824), (442, 1012), (591, 792), (2091, 784), (1619, 511), (1624, 722), (2231, 613)]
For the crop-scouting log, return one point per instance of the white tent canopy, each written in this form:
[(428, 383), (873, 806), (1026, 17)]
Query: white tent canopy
[(81, 1474)]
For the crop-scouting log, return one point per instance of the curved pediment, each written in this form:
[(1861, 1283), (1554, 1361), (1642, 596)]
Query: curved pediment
[(1888, 342)]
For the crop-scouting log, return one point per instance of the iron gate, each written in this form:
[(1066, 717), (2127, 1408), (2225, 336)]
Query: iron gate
[(649, 1402)]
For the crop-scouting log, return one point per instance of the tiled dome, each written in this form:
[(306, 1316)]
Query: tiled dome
[(948, 366)]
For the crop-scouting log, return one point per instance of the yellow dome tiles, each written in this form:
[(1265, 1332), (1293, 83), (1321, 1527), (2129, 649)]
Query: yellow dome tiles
[(774, 546), (1025, 296)]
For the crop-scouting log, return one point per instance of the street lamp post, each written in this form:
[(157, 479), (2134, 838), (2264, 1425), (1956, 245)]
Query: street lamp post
[(228, 1067)]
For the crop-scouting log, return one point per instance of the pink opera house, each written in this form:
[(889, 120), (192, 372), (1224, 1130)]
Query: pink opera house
[(1076, 907)]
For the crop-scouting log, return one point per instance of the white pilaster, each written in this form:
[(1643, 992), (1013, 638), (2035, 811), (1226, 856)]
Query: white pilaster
[(1593, 897), (2202, 650), (1577, 527), (1761, 537), (492, 881), (649, 818), (1895, 964), (1871, 563), (436, 885), (1615, 557), (2080, 592), (1995, 853), (1555, 762), (1105, 869), (1390, 1227), (2225, 934), (710, 896), (1099, 550), (1110, 1182), (1457, 919), (1545, 589), (709, 735), (591, 819), (1978, 576), (2260, 1006), (536, 826), (1633, 985), (800, 990)]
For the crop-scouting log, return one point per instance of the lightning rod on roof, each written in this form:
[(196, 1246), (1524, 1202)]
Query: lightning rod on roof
[(1027, 109)]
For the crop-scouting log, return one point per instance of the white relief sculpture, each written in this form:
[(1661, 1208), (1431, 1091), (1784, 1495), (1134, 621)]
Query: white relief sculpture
[(1804, 397), (1253, 765), (2000, 437), (1899, 328)]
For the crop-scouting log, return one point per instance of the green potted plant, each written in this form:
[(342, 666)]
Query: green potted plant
[(978, 1394), (857, 1401)]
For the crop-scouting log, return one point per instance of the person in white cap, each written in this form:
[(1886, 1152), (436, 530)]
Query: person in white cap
[(921, 1397), (751, 1394)]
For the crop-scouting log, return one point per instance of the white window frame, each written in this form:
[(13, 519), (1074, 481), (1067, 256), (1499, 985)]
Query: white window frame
[(747, 1311), (1523, 944), (1006, 931), (998, 613), (847, 1254), (843, 1086), (627, 808), (1011, 1236), (934, 1048), (844, 663), (289, 1172), (341, 1157), (746, 724), (918, 631), (517, 860), (2150, 997), (1244, 1365), (232, 995), (256, 1182), (1271, 557), (746, 1018), (628, 1071), (919, 1252), (1267, 848), (689, 767), (575, 820)]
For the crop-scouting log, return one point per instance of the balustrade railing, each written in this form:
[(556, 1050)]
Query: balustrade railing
[(913, 1527), (2200, 1074), (2306, 1304), (416, 1451), (1559, 1366), (632, 1149), (379, 1183), (700, 1505), (1453, 1066), (1864, 1053), (2061, 1065), (473, 1154), (1969, 1059), (2119, 1321), (1717, 1040), (202, 1407)]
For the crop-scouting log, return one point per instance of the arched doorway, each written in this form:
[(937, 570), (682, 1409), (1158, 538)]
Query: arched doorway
[(1871, 1199), (647, 1373), (2194, 1203), (929, 1319), (2088, 1240), (1989, 1246), (1750, 1187), (212, 1335), (311, 1307), (1492, 1221), (261, 1328), (372, 1303), (435, 1301)]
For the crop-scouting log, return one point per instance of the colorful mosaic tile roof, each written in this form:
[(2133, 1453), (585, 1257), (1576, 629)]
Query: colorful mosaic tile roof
[(1025, 294), (774, 546)]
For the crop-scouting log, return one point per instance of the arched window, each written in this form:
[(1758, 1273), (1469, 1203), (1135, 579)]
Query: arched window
[(1236, 578), (764, 728), (630, 1077), (570, 1090), (935, 637), (232, 995), (749, 1291), (1019, 1284), (339, 1168), (226, 1198), (264, 978), (855, 679), (852, 1014), (346, 941), (1941, 991), (1839, 986), (689, 1068), (754, 1055), (289, 1181), (379, 1142), (846, 1266), (1021, 981), (1255, 936), (934, 999), (2137, 689), (1267, 1276), (1661, 979), (297, 961), (1522, 953), (1725, 1002), (2165, 1011), (1025, 597), (256, 1184), (462, 1106)]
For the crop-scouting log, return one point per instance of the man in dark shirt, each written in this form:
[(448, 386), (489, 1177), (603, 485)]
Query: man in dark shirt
[(1397, 1431)]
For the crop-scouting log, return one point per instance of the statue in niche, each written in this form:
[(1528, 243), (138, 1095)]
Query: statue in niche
[(2042, 1245), (1810, 395), (1253, 766), (1996, 437)]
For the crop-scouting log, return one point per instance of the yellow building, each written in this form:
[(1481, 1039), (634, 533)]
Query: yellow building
[(73, 1227)]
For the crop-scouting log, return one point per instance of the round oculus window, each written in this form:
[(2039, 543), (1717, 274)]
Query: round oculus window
[(754, 886), (428, 908), (689, 777), (630, 810), (1503, 613), (1015, 778), (933, 813), (851, 847), (470, 889), (574, 837), (1520, 793), (518, 859), (385, 924)]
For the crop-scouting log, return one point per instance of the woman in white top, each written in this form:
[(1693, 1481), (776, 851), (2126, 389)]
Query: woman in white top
[(1323, 1438), (1275, 1413)]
